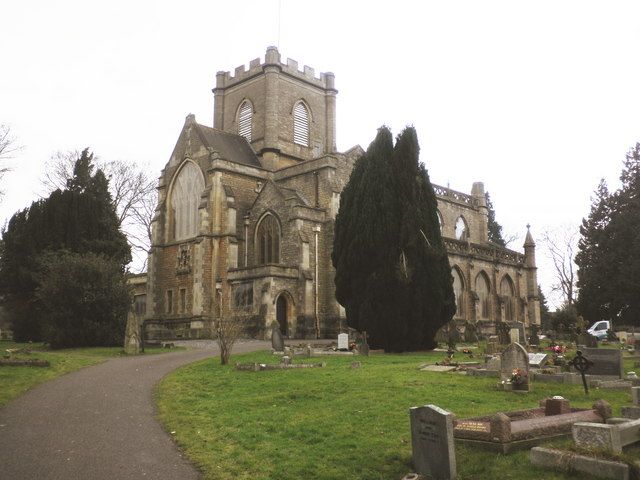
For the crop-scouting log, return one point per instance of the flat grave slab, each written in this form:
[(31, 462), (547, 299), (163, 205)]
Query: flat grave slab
[(506, 431), (438, 368), (538, 360)]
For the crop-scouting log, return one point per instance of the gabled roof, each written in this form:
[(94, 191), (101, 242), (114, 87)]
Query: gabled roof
[(285, 193), (230, 146)]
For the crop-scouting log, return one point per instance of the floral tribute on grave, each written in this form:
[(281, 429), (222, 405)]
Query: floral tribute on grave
[(506, 431)]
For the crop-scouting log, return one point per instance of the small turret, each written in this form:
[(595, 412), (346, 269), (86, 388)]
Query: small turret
[(532, 278), (477, 192), (529, 249)]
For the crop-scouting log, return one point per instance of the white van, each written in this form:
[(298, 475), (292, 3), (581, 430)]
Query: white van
[(599, 329)]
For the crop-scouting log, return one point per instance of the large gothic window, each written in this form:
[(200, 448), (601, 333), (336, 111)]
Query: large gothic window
[(268, 240), (507, 292), (245, 114), (301, 124), (458, 288), (462, 231), (482, 291), (185, 198)]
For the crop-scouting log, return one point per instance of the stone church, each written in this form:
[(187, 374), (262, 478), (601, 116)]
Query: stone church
[(244, 223)]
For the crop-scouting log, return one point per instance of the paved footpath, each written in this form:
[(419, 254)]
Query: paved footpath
[(98, 423)]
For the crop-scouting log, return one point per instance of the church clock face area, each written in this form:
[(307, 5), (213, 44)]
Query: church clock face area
[(246, 211)]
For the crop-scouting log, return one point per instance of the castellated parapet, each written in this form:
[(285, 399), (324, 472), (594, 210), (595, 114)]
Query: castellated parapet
[(325, 81)]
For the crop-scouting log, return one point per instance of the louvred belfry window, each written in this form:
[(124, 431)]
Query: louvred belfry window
[(301, 124), (245, 114)]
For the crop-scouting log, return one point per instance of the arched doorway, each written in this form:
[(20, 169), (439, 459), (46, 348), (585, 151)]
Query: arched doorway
[(281, 315)]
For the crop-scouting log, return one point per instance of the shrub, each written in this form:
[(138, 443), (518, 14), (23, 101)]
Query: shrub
[(82, 299)]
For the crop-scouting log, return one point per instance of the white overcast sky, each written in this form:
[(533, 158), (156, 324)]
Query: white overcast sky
[(539, 100)]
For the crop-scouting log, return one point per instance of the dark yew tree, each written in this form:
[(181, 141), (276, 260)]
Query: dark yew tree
[(84, 300), (592, 261), (494, 228), (392, 271), (609, 250), (80, 219)]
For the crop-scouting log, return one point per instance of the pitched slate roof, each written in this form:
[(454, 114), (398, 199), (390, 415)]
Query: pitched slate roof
[(230, 146)]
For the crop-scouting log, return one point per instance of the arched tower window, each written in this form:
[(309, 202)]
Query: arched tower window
[(440, 222), (268, 240), (185, 199), (245, 115), (507, 292), (483, 291), (462, 230), (458, 289), (301, 124)]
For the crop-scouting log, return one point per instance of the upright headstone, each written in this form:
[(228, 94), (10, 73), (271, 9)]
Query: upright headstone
[(364, 346), (492, 345), (432, 442), (605, 361), (514, 357), (521, 332), (277, 342), (470, 333), (514, 335), (343, 341), (132, 335)]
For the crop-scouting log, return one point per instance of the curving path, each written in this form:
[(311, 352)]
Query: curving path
[(98, 423)]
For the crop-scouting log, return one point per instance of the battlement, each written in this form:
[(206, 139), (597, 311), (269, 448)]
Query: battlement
[(325, 81), (444, 192)]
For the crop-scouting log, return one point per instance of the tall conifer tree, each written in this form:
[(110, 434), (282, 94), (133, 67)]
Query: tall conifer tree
[(609, 250), (392, 272), (79, 219)]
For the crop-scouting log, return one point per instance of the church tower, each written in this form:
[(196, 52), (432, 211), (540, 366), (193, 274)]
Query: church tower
[(286, 115)]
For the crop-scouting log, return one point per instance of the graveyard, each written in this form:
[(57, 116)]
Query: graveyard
[(351, 419)]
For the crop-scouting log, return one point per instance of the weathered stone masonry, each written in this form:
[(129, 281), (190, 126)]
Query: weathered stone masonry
[(244, 223)]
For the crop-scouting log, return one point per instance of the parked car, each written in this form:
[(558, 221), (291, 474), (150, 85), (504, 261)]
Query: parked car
[(599, 329)]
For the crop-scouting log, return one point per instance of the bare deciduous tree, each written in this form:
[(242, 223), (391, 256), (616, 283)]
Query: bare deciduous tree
[(561, 249), (227, 331), (132, 189), (8, 147)]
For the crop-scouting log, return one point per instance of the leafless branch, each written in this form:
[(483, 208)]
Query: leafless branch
[(133, 193), (8, 147), (227, 331), (561, 246)]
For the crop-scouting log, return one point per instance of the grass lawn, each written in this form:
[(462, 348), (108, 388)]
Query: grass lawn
[(17, 380), (338, 422)]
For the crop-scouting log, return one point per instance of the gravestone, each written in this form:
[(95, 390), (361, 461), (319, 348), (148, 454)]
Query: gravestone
[(364, 346), (605, 361), (521, 332), (432, 442), (132, 335), (538, 360), (493, 345), (493, 363), (534, 339), (470, 333), (514, 335), (514, 356), (277, 342), (343, 341)]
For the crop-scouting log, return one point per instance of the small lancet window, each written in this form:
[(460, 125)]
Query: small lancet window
[(245, 114), (301, 124)]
